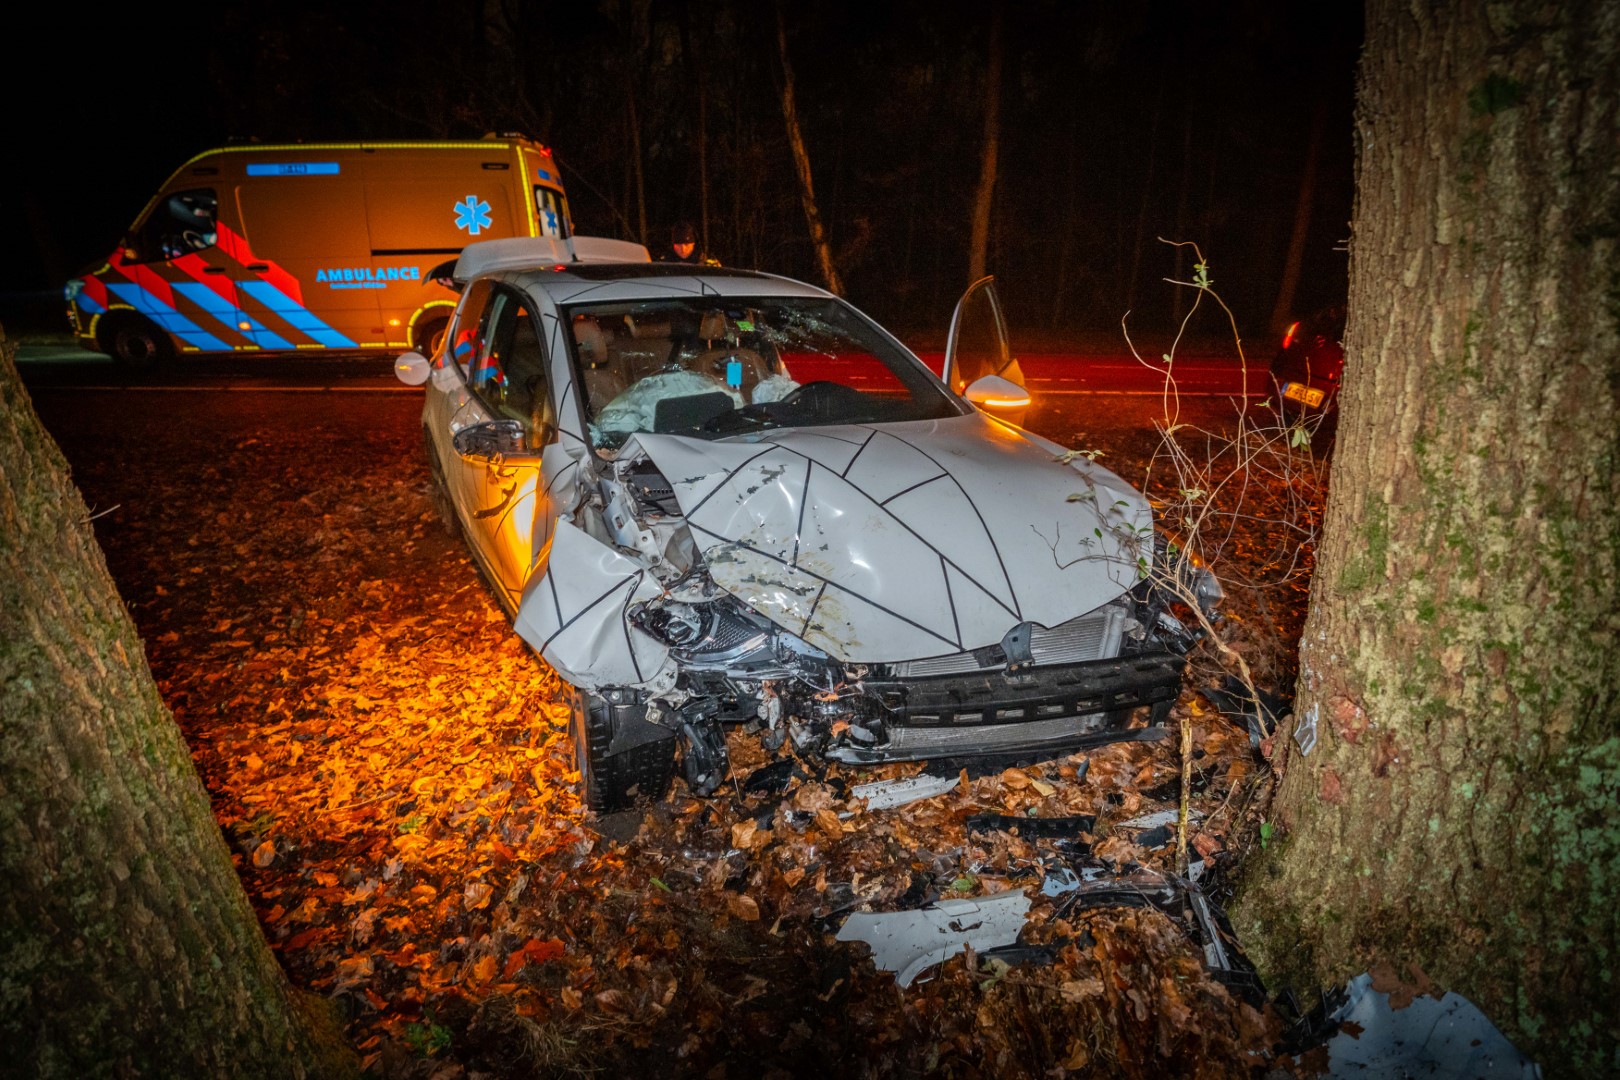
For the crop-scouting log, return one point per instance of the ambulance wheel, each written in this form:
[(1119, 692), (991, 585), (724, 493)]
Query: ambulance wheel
[(428, 335), (135, 343), (641, 768)]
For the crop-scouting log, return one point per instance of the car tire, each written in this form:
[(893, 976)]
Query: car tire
[(438, 488), (622, 757), (135, 343)]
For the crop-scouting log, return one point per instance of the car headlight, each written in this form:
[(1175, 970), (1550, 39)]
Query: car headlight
[(700, 630)]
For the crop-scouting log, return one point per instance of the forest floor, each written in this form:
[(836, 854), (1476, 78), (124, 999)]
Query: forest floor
[(391, 767)]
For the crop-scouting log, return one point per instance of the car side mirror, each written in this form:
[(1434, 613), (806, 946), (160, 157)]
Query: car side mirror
[(492, 438), (412, 368), (994, 392)]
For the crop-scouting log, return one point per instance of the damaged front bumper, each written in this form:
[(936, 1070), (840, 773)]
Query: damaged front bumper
[(1042, 710)]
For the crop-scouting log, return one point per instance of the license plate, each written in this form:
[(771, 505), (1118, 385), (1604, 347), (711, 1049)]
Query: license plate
[(1299, 392)]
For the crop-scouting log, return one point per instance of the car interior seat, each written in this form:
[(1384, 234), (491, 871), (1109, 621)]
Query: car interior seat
[(647, 348), (603, 379), (736, 366), (526, 374)]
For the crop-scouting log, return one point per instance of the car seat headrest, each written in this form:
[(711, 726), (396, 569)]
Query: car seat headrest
[(591, 340)]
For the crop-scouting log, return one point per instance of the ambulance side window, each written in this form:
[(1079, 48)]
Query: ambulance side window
[(552, 208), (180, 223)]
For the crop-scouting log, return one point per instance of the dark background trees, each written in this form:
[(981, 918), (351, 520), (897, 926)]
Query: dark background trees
[(1459, 666), (1117, 124)]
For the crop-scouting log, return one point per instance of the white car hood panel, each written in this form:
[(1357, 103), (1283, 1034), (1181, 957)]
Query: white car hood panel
[(897, 542), (574, 613)]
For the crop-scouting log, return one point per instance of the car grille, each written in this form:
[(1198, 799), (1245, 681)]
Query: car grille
[(1093, 636)]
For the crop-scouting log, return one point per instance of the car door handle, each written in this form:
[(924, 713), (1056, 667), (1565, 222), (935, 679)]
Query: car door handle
[(214, 270), (258, 266)]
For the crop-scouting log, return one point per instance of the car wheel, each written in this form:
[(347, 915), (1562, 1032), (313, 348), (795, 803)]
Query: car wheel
[(428, 335), (641, 766), (136, 344), (438, 489)]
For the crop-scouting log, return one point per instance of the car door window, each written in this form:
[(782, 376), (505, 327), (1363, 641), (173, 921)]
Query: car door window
[(506, 365)]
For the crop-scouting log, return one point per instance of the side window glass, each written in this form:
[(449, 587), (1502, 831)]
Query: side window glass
[(507, 369), (180, 223), (552, 210), (466, 343)]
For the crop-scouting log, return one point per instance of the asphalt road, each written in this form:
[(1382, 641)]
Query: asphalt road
[(1113, 372)]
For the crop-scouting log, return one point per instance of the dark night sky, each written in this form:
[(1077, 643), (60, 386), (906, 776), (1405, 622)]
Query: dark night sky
[(1121, 122)]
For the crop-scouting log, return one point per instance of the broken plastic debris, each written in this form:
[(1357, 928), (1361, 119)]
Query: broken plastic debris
[(1059, 881), (909, 942), (1305, 731), (1257, 711), (1158, 819), (1432, 1038), (887, 794), (1032, 827)]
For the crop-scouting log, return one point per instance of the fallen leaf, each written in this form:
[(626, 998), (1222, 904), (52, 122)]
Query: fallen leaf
[(1015, 779), (743, 907), (828, 822), (1077, 990), (1079, 1057), (476, 896), (264, 854)]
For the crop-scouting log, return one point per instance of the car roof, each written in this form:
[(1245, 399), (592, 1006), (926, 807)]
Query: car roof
[(608, 270), (568, 283)]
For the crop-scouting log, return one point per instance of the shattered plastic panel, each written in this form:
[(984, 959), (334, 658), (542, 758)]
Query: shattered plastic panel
[(910, 942), (902, 541), (573, 613)]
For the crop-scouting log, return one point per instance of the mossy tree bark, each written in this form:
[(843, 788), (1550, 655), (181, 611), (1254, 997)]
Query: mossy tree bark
[(127, 946), (1459, 661)]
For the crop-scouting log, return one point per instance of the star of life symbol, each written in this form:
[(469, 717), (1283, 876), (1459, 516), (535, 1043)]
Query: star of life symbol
[(472, 214), (551, 221)]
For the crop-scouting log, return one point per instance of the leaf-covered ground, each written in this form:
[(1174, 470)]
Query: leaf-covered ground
[(391, 767)]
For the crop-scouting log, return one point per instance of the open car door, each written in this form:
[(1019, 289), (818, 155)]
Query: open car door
[(979, 364)]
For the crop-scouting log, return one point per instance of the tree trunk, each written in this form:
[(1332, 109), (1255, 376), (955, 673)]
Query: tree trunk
[(984, 196), (801, 161), (1459, 663), (1303, 206), (127, 946)]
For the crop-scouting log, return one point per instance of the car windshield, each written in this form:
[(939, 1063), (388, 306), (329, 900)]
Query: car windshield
[(711, 367)]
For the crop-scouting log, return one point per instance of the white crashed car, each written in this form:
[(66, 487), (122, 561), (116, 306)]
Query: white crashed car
[(712, 496)]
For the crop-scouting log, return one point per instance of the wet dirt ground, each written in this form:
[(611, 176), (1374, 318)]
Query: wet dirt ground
[(391, 767)]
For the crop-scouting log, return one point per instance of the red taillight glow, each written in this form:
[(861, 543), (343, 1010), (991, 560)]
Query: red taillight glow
[(1288, 338)]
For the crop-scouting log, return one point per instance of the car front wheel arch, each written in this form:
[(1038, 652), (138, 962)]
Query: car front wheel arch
[(622, 756)]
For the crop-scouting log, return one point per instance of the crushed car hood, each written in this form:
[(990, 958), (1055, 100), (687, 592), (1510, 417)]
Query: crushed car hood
[(896, 542)]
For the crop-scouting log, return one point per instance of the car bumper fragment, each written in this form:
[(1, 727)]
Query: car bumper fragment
[(1043, 709)]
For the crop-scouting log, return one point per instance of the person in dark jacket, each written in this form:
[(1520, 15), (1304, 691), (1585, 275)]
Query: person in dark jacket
[(683, 247)]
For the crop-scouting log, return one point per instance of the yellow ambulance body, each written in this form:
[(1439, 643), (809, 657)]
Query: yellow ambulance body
[(310, 246)]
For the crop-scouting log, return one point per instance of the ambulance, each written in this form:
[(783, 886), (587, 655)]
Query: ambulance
[(311, 247)]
